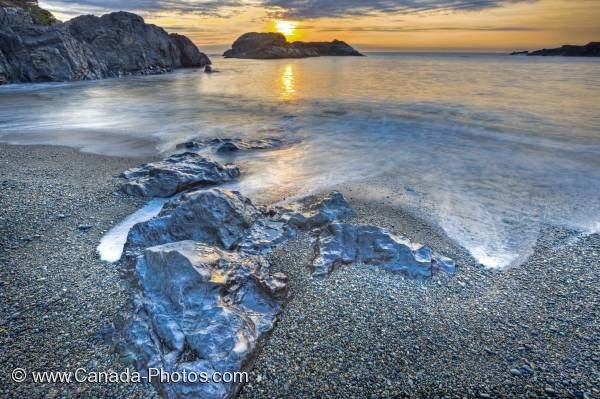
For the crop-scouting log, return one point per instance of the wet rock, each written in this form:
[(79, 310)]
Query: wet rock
[(315, 211), (340, 244), (202, 309), (175, 174), (264, 235), (214, 216), (85, 227), (227, 145)]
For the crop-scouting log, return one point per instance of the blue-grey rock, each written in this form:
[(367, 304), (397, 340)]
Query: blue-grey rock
[(214, 216), (176, 173), (315, 211), (340, 244), (202, 309)]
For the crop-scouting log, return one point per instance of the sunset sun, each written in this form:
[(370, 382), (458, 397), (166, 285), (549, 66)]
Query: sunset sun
[(287, 28)]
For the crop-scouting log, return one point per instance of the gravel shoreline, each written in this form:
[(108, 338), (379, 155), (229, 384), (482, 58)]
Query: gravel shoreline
[(56, 293), (531, 331)]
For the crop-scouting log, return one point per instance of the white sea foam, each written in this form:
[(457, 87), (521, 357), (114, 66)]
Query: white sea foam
[(111, 244)]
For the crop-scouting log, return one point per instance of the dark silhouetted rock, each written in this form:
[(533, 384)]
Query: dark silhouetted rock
[(190, 56), (202, 310), (175, 174), (336, 48), (34, 47), (591, 49), (340, 244), (274, 45)]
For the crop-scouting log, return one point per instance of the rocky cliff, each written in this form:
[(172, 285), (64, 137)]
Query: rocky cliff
[(35, 47), (591, 49), (274, 45)]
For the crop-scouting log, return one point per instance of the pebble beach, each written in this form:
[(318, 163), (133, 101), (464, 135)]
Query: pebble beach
[(528, 331)]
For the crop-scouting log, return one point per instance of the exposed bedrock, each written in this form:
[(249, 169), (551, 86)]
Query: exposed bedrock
[(215, 217), (175, 174), (340, 244), (204, 296), (314, 211), (202, 309), (35, 47)]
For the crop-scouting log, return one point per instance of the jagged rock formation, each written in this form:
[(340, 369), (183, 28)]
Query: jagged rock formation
[(350, 243), (215, 217), (35, 47), (591, 49), (274, 45), (175, 174), (204, 296), (314, 211), (202, 310)]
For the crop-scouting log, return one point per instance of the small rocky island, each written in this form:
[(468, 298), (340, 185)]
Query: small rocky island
[(36, 47), (272, 45), (592, 49)]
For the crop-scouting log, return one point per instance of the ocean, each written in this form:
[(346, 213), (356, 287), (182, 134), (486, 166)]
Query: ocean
[(490, 148)]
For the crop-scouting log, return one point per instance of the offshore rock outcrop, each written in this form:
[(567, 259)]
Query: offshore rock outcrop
[(271, 45), (34, 47), (591, 49), (340, 244), (175, 174)]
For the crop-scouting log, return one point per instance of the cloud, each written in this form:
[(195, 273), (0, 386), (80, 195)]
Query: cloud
[(343, 8), (430, 29), (297, 9), (76, 7)]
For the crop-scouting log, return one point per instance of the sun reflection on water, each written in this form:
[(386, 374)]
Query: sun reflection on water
[(288, 89)]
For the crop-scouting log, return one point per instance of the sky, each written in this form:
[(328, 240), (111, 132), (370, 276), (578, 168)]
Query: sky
[(369, 25)]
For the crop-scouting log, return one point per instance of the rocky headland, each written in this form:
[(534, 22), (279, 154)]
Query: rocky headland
[(35, 47), (271, 45), (591, 49)]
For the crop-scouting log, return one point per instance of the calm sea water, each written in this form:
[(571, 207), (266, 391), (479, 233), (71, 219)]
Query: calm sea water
[(488, 147)]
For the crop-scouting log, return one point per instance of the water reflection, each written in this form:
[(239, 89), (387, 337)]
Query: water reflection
[(288, 90), (466, 141)]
